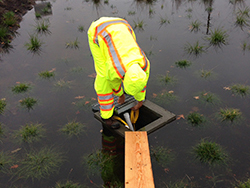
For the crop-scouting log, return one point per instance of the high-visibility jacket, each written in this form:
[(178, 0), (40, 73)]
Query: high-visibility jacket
[(114, 48)]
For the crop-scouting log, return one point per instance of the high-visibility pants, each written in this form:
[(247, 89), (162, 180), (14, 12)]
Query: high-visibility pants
[(102, 86)]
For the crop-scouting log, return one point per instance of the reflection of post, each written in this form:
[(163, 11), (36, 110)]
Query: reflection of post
[(113, 164), (208, 22), (209, 10)]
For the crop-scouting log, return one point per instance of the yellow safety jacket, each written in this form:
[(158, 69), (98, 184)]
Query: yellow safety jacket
[(114, 48)]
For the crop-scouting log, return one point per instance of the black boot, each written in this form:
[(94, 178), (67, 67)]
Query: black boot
[(112, 123)]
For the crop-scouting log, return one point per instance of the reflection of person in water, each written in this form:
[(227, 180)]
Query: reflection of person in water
[(113, 159)]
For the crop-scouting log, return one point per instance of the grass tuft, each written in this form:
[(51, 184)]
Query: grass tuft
[(21, 88), (140, 25), (34, 44), (28, 102), (218, 37), (9, 18), (68, 184), (6, 161), (2, 105), (47, 74), (73, 128), (73, 44), (30, 133), (230, 114), (43, 27), (245, 184), (195, 49), (210, 153), (40, 164), (240, 89), (195, 26), (81, 28), (162, 155), (196, 119), (183, 63)]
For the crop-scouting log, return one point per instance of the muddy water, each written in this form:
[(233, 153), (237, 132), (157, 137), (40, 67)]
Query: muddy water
[(164, 45)]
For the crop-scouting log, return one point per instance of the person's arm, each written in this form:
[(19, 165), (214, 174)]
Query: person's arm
[(116, 86)]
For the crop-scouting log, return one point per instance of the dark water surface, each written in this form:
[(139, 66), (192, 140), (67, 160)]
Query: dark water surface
[(164, 45)]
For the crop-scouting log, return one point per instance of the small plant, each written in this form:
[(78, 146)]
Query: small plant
[(76, 69), (162, 155), (34, 44), (73, 128), (43, 26), (2, 105), (131, 13), (230, 114), (81, 28), (30, 133), (67, 184), (189, 16), (28, 102), (218, 37), (40, 164), (73, 44), (4, 33), (2, 130), (164, 20), (46, 10), (6, 161), (106, 2), (183, 63), (165, 97), (205, 73), (241, 21), (139, 24), (208, 98), (195, 26), (210, 153), (62, 84), (47, 74), (189, 10), (245, 184), (21, 88), (195, 49), (196, 119), (68, 8), (9, 18), (38, 15), (49, 5), (240, 89)]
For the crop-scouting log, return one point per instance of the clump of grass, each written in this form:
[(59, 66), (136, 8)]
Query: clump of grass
[(46, 74), (30, 133), (245, 184), (209, 98), (68, 184), (195, 26), (131, 13), (240, 89), (3, 104), (40, 164), (195, 49), (186, 182), (165, 97), (62, 84), (162, 155), (21, 88), (2, 130), (106, 1), (46, 10), (85, 103), (183, 63), (73, 128), (196, 119), (167, 79), (230, 114), (6, 161), (210, 153), (81, 28), (28, 102), (43, 27), (4, 33), (73, 44), (77, 69), (38, 15), (139, 24), (9, 18), (164, 20), (205, 73), (34, 44), (218, 37), (242, 17)]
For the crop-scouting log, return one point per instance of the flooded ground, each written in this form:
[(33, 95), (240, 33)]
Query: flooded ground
[(167, 32)]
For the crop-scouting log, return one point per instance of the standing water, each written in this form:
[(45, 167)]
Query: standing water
[(199, 52)]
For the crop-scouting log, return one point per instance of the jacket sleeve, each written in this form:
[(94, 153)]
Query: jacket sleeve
[(141, 95), (116, 86)]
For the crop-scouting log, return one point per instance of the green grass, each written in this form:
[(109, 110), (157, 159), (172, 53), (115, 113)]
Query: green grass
[(4, 33), (46, 10), (205, 73), (211, 153), (167, 79), (3, 104), (47, 74), (240, 89), (164, 20), (218, 37), (40, 164), (196, 119), (183, 63), (67, 184), (186, 182), (131, 13), (28, 102), (6, 161), (38, 15), (73, 128), (242, 17), (245, 184), (49, 5), (62, 84), (34, 44), (9, 18), (229, 114), (20, 88), (29, 133), (162, 155), (73, 44), (164, 97), (209, 98), (139, 24), (195, 26), (81, 28), (195, 49), (2, 130), (43, 27)]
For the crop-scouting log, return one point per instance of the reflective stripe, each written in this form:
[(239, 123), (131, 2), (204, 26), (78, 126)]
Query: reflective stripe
[(107, 107), (144, 89), (145, 60), (105, 97)]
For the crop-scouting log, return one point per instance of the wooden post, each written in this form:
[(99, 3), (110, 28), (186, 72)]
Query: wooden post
[(138, 169)]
